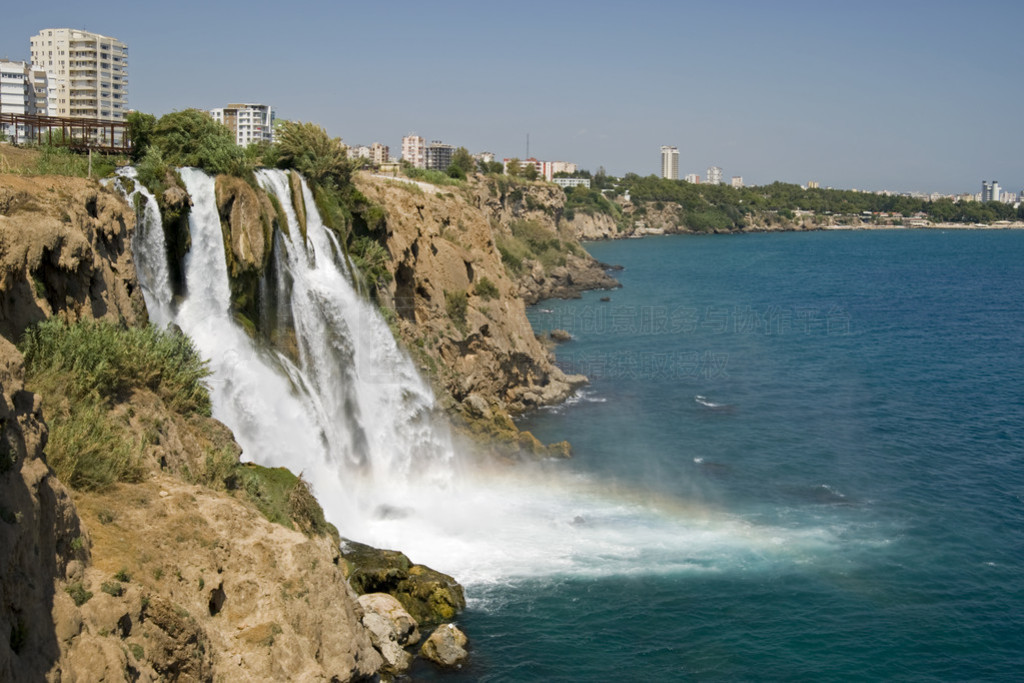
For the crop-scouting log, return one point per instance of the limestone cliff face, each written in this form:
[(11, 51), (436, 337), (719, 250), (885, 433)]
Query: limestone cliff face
[(164, 579), (597, 226), (541, 205), (64, 250), (457, 308)]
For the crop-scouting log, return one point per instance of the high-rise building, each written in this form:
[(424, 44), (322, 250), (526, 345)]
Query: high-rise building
[(88, 72), (669, 162), (439, 155), (714, 176), (414, 150), (24, 90), (248, 122), (737, 182), (990, 192)]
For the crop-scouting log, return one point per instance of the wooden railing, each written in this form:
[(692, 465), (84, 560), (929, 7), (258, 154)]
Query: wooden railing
[(79, 134)]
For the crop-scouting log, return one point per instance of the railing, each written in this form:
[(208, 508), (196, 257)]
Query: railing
[(78, 134)]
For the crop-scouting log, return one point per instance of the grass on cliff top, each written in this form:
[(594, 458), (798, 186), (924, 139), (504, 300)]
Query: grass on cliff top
[(80, 370), (433, 177), (105, 360), (53, 160)]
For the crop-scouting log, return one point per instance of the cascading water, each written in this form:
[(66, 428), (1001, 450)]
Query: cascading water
[(350, 412), (148, 248)]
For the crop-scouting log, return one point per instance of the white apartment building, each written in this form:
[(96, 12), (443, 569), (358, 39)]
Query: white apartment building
[(737, 182), (24, 90), (249, 122), (714, 176), (88, 73), (669, 162), (692, 178), (414, 150), (563, 167), (571, 182), (358, 152)]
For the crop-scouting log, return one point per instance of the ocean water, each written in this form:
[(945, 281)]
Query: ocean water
[(801, 457)]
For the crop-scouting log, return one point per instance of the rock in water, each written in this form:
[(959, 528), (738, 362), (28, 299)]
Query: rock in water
[(446, 646), (391, 629), (429, 596)]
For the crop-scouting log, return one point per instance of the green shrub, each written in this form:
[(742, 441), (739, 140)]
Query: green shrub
[(456, 304), (107, 361), (283, 498), (82, 369), (371, 259), (87, 451), (112, 588), (433, 177), (122, 575), (78, 593), (486, 289)]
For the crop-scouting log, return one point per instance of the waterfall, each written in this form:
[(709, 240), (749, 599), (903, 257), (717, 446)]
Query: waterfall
[(149, 250), (347, 409)]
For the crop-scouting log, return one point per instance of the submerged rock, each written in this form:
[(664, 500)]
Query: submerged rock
[(446, 646)]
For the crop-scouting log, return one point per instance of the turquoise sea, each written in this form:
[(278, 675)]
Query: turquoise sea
[(830, 427)]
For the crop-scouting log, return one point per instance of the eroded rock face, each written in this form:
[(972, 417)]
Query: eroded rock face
[(65, 249), (457, 308), (248, 215), (40, 534), (594, 227)]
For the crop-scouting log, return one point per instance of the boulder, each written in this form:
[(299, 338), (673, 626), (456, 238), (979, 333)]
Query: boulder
[(446, 646), (429, 596), (391, 629)]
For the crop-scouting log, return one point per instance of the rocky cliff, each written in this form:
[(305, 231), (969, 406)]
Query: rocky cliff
[(459, 310), (64, 250), (179, 575)]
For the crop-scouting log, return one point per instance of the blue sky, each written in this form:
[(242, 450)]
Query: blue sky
[(902, 95)]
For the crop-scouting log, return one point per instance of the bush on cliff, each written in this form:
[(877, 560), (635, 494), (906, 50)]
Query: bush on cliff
[(308, 149), (80, 370), (192, 138)]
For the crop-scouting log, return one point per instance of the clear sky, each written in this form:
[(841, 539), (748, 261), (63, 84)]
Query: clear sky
[(903, 95)]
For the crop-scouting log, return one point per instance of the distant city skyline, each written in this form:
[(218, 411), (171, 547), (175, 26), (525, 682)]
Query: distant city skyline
[(901, 96)]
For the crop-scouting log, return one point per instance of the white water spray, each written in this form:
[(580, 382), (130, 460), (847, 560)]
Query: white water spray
[(351, 413)]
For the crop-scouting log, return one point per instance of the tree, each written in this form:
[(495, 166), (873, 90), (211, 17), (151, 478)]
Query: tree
[(463, 160), (193, 138), (308, 149), (514, 167), (140, 132), (529, 172)]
